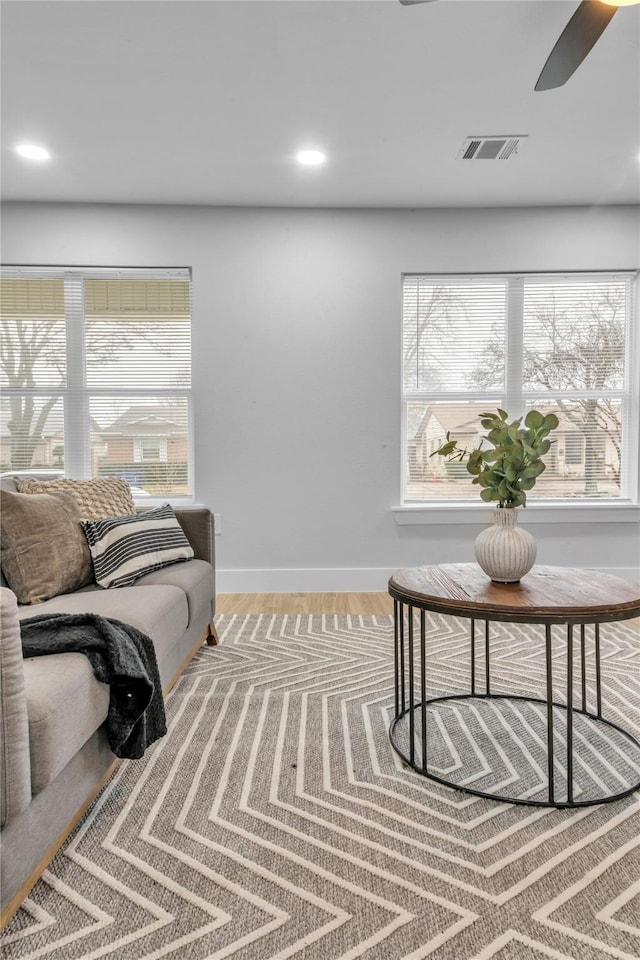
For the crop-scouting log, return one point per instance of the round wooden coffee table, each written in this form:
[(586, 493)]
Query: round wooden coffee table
[(518, 747)]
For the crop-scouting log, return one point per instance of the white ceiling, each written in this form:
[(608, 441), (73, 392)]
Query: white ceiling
[(206, 102)]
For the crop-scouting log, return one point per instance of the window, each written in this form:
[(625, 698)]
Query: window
[(150, 448), (556, 343), (95, 368)]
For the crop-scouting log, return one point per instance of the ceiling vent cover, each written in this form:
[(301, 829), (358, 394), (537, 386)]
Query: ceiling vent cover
[(491, 148)]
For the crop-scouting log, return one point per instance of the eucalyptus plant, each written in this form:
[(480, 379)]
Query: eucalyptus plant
[(510, 466)]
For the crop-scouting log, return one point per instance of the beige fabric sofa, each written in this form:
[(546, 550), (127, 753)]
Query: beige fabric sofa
[(53, 747)]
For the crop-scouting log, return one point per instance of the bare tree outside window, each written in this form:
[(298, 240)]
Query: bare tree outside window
[(574, 346), (32, 356)]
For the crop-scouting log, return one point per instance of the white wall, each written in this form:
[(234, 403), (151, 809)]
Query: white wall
[(297, 367)]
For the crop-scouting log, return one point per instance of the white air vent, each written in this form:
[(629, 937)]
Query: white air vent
[(491, 148)]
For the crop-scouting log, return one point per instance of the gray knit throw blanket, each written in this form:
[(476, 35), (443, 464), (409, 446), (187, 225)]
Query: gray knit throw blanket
[(121, 656)]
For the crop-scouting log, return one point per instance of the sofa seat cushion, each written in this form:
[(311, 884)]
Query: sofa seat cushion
[(194, 577), (159, 611), (65, 706)]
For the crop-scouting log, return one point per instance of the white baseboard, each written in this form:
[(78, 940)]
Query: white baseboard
[(329, 580), (336, 579)]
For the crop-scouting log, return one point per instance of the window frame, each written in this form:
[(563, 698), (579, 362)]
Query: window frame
[(77, 394), (541, 509)]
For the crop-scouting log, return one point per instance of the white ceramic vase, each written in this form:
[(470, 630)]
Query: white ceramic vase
[(505, 551)]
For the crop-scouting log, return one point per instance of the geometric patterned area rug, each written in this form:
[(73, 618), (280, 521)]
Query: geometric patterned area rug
[(275, 820)]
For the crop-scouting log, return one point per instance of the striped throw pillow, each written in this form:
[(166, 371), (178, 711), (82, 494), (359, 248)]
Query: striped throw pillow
[(125, 548)]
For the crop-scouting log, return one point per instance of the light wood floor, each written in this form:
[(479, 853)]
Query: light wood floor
[(372, 604)]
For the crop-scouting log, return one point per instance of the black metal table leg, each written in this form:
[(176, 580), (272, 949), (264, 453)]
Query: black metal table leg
[(412, 721), (598, 673), (486, 659), (396, 655), (473, 658), (423, 689), (549, 713), (403, 699), (569, 713), (583, 669)]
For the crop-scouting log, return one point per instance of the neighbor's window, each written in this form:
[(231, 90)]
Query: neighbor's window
[(556, 343), (150, 448), (95, 368)]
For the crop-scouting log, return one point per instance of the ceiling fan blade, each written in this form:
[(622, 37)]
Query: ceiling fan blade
[(575, 42), (410, 3)]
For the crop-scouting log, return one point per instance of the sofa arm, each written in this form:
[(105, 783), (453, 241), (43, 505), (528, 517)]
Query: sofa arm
[(15, 763), (197, 524)]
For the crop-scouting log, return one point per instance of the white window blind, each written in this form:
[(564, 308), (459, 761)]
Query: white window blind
[(565, 344), (95, 367)]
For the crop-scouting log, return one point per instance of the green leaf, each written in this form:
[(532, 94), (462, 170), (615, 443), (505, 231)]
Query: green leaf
[(533, 470), (551, 421), (474, 463), (502, 414), (445, 450), (487, 494), (534, 419)]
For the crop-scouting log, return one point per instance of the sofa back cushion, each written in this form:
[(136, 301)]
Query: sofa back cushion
[(44, 550)]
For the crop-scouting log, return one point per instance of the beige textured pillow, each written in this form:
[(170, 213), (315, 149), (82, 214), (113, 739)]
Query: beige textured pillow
[(44, 549), (97, 499)]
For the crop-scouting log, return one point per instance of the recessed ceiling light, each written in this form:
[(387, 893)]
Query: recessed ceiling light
[(311, 158), (32, 152)]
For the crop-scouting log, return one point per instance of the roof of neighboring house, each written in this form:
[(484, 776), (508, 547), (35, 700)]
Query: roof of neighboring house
[(146, 419), (453, 417)]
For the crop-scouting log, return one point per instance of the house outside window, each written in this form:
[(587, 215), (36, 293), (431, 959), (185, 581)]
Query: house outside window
[(561, 343), (96, 375)]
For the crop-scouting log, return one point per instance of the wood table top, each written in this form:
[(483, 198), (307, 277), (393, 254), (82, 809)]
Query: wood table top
[(545, 595)]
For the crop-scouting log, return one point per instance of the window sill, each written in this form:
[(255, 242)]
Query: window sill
[(470, 513), (175, 502)]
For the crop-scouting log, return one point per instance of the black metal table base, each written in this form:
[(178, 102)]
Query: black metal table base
[(568, 753)]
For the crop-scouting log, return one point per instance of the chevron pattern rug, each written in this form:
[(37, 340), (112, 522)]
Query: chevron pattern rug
[(275, 820)]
